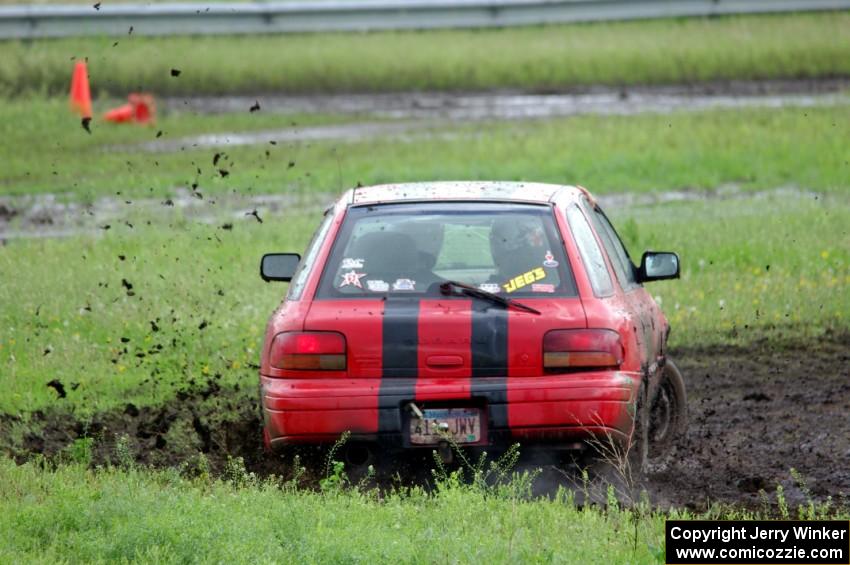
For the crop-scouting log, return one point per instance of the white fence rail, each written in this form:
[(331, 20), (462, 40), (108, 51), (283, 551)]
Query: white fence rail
[(34, 21)]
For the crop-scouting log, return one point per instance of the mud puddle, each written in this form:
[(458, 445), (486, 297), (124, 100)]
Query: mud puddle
[(50, 215), (518, 104), (358, 131), (755, 412), (206, 418), (434, 114)]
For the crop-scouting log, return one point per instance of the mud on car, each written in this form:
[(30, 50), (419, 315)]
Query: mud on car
[(470, 314)]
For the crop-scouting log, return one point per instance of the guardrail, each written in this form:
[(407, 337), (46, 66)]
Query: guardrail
[(359, 15)]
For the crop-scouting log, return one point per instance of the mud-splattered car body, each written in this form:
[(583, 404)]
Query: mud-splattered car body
[(410, 360)]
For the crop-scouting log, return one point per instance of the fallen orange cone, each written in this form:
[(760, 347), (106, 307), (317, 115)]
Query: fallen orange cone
[(80, 93), (120, 114), (140, 109)]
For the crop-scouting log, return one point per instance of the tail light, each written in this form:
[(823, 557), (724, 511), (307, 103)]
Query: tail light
[(308, 351), (581, 349)]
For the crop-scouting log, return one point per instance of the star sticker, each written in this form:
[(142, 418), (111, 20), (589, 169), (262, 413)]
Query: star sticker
[(352, 278)]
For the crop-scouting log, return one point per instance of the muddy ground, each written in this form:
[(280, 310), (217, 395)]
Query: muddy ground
[(755, 413), (50, 215), (519, 104), (435, 114)]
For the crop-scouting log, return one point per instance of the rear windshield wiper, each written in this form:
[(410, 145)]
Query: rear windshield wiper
[(469, 290)]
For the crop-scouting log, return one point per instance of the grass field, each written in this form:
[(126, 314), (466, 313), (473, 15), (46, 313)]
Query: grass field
[(85, 165), (121, 515), (539, 58), (751, 148), (113, 515)]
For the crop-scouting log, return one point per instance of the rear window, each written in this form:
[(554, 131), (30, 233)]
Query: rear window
[(409, 249)]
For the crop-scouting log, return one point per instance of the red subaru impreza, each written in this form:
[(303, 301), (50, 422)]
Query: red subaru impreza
[(476, 314)]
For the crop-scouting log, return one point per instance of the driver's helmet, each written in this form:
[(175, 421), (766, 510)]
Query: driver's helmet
[(517, 244)]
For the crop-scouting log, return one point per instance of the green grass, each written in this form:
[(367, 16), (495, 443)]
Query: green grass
[(116, 516), (774, 267), (111, 515), (550, 57), (67, 311), (752, 148), (70, 160)]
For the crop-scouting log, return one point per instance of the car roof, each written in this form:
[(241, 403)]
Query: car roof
[(460, 191)]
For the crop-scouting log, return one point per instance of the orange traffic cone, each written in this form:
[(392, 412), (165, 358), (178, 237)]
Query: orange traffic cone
[(140, 108), (80, 94), (120, 115)]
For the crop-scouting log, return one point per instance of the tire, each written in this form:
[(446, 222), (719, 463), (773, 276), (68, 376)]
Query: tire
[(668, 416)]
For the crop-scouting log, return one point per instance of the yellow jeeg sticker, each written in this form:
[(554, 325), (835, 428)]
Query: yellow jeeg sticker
[(524, 279)]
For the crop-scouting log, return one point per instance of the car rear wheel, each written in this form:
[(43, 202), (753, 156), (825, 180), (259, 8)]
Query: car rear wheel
[(668, 416)]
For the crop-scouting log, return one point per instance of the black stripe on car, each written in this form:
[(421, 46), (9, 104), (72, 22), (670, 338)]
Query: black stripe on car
[(400, 353), (490, 359)]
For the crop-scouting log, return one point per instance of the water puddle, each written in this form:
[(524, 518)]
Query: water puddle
[(418, 113), (51, 215), (518, 105), (343, 132)]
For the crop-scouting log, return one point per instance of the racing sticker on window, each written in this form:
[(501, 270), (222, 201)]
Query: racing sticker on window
[(351, 263), (352, 278), (524, 279), (404, 284), (490, 287), (549, 260), (543, 287), (377, 285)]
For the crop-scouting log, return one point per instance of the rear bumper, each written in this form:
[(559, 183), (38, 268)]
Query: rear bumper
[(548, 409)]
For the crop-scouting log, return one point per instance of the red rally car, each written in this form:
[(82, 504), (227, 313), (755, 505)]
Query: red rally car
[(475, 313)]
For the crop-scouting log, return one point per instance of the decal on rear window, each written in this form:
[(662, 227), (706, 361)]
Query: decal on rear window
[(404, 284), (524, 279), (351, 263), (492, 288), (377, 285), (352, 278), (543, 287), (549, 260)]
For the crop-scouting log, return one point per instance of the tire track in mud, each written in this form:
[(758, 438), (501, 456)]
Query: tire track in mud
[(755, 413)]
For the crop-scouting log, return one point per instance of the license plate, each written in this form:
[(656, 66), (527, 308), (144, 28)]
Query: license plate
[(462, 425)]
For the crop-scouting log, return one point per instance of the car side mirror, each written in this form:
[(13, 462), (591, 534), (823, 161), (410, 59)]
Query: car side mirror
[(658, 266), (279, 266)]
